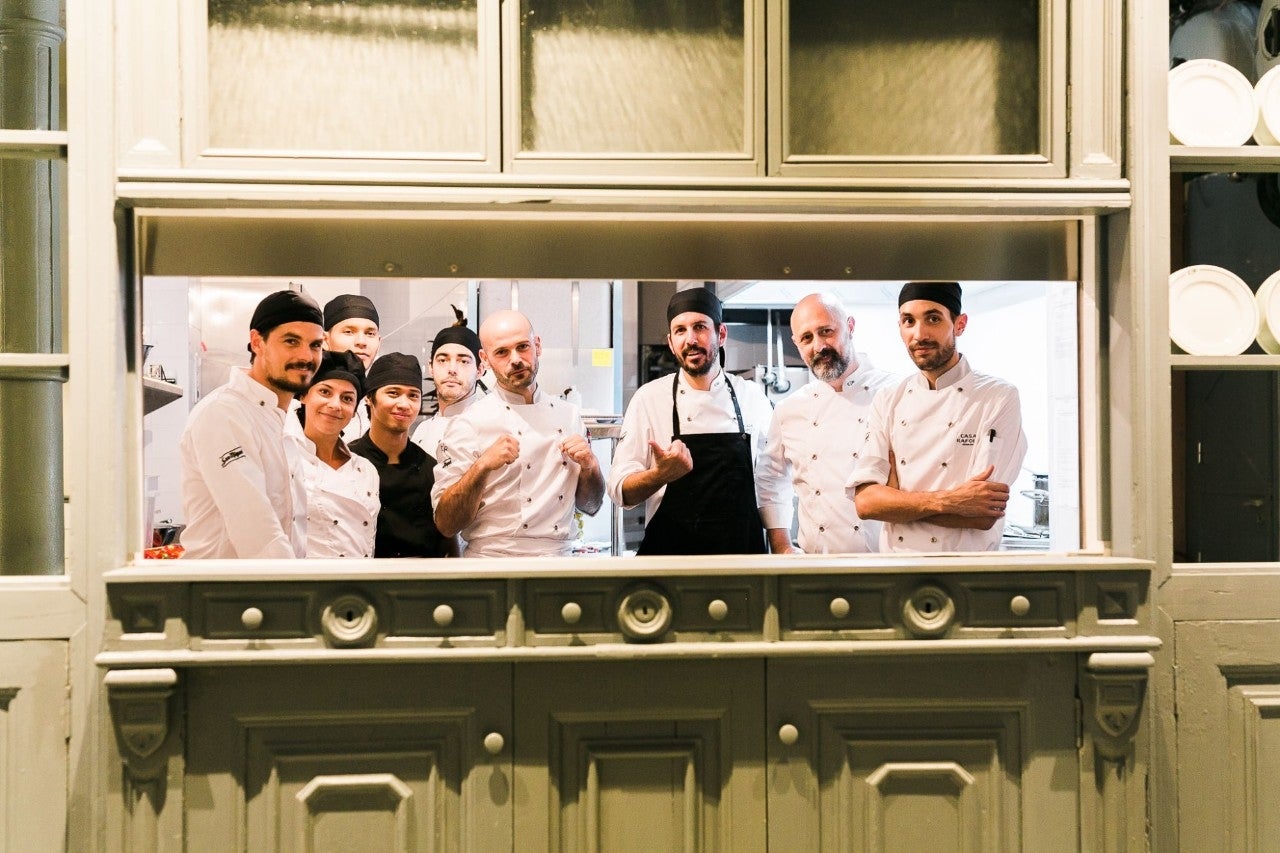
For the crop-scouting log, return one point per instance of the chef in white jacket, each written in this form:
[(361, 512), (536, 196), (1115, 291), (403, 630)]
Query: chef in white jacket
[(342, 487), (351, 325), (691, 443), (817, 434), (242, 492), (945, 443), (514, 467), (456, 369)]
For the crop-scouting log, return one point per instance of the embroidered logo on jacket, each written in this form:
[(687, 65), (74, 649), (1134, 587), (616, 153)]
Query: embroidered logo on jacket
[(232, 455), (968, 439), (445, 459)]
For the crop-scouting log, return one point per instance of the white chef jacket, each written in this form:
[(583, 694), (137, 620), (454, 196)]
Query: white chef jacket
[(427, 435), (358, 425), (648, 416), (527, 507), (940, 438), (814, 442), (242, 491), (342, 503)]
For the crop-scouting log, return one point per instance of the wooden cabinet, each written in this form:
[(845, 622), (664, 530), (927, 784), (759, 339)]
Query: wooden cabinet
[(34, 725), (922, 754), (402, 758)]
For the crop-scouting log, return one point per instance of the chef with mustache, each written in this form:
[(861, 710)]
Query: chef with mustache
[(691, 443), (817, 434), (945, 444)]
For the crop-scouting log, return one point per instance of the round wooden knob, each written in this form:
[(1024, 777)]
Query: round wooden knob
[(839, 607), (251, 618), (571, 612), (718, 609), (494, 742), (1019, 605), (443, 615), (788, 734)]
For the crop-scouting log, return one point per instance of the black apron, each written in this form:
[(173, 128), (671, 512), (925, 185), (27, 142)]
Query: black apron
[(712, 509)]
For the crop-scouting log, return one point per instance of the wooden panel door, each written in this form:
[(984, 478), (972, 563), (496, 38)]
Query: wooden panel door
[(1228, 724), (640, 756), (369, 758), (938, 755), (33, 745)]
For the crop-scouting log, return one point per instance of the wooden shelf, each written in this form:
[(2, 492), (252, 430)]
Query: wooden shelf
[(1245, 158), (1225, 362)]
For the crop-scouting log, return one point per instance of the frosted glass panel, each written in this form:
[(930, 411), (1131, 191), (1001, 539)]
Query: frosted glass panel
[(913, 77), (358, 75), (632, 76)]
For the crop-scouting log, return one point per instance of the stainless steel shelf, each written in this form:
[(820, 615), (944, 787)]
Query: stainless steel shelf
[(157, 393)]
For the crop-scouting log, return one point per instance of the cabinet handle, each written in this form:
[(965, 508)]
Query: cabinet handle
[(1019, 605), (718, 609), (443, 615), (494, 742), (839, 607), (788, 734), (571, 612), (251, 618)]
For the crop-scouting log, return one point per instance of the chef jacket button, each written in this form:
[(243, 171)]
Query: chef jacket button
[(681, 390), (528, 500), (564, 463), (859, 420), (951, 423), (818, 492), (335, 521), (822, 530), (856, 528), (688, 418), (555, 527), (481, 504), (528, 465), (559, 497), (902, 462), (559, 430), (508, 408), (944, 465), (855, 454), (519, 432), (366, 524), (899, 538), (815, 395), (524, 527), (814, 456), (815, 423), (933, 539), (342, 555), (904, 423), (959, 390)]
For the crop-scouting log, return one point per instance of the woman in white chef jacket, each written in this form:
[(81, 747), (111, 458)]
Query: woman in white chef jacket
[(342, 487)]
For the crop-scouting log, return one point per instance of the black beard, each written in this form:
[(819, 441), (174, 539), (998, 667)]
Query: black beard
[(933, 358), (281, 383), (712, 357)]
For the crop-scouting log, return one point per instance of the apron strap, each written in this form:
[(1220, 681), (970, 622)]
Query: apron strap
[(675, 413)]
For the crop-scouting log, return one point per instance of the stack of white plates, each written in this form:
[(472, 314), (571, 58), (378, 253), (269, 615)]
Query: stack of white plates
[(1269, 314), (1211, 311), (1211, 104), (1267, 94)]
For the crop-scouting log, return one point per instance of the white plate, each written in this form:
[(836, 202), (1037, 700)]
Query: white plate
[(1211, 311), (1267, 95), (1211, 104), (1269, 314)]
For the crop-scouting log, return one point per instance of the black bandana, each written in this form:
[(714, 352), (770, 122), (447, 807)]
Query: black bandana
[(945, 293), (285, 306), (394, 368), (345, 307), (697, 299)]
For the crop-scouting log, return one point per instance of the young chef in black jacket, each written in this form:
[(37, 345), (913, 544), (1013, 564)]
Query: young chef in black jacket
[(405, 524)]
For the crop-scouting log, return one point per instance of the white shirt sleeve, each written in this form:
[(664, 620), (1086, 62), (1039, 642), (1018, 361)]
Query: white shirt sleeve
[(773, 498), (227, 455), (873, 459), (631, 455), (458, 450), (774, 490)]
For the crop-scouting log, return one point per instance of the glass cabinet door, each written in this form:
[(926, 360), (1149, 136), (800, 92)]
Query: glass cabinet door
[(631, 80), (957, 87), (393, 79)]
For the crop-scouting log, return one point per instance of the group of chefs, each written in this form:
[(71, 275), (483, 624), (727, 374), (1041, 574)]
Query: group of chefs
[(307, 452)]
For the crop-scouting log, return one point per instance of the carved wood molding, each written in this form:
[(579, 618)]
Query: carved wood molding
[(1116, 685), (140, 711)]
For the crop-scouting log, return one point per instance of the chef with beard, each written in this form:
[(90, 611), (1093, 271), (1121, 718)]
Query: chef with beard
[(818, 432), (945, 444), (691, 443)]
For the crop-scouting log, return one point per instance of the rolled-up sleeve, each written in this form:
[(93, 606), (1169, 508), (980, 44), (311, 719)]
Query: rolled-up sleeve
[(631, 455), (457, 451)]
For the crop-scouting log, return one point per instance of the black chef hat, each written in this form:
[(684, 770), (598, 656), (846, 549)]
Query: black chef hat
[(346, 306), (945, 293), (341, 365), (393, 368), (285, 306), (697, 299), (460, 335)]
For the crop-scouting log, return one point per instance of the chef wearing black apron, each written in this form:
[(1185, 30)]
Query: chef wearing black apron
[(707, 503)]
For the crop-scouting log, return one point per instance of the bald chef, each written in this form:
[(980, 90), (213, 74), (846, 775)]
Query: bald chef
[(818, 432), (691, 443), (512, 468), (242, 486), (945, 444)]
